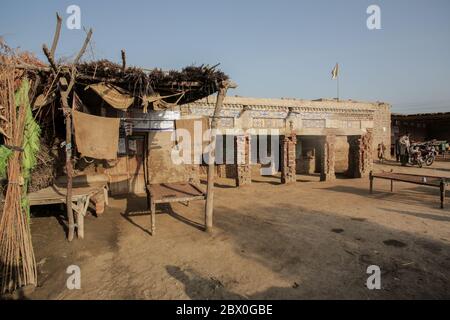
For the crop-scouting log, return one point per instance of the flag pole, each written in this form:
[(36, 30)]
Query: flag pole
[(337, 89)]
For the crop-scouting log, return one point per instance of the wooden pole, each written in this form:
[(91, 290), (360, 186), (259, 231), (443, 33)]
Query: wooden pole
[(211, 159), (68, 117), (442, 189), (371, 182), (69, 169), (65, 88)]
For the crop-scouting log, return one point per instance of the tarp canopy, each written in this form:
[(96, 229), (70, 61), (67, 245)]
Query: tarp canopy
[(121, 99), (116, 97), (158, 103), (96, 137)]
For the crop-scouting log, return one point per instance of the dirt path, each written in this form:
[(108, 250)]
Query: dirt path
[(311, 240)]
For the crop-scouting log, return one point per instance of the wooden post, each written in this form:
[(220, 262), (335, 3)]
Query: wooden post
[(81, 206), (153, 216), (371, 182), (392, 185), (80, 225), (69, 170), (442, 189), (68, 116), (211, 159), (65, 88)]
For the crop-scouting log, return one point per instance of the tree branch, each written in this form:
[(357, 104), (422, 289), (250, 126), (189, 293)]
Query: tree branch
[(56, 36), (124, 61)]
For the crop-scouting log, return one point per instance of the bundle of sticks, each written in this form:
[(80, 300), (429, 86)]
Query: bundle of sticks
[(17, 261)]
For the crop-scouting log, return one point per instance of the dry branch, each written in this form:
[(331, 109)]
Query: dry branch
[(16, 250), (124, 61), (56, 36)]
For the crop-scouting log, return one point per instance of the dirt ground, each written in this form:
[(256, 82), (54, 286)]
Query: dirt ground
[(271, 241)]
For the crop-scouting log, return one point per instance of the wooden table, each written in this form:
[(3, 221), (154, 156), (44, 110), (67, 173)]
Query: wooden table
[(171, 192), (431, 181), (81, 197)]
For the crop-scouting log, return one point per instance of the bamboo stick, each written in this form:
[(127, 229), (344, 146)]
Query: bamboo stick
[(16, 251)]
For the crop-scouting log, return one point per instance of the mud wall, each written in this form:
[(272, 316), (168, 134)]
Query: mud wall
[(381, 131), (161, 168)]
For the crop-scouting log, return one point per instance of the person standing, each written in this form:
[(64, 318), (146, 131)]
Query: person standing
[(381, 150), (404, 149), (397, 149)]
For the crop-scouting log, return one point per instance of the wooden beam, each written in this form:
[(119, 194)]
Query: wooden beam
[(25, 66)]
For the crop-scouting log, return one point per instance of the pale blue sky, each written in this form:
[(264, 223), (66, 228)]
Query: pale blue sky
[(270, 48)]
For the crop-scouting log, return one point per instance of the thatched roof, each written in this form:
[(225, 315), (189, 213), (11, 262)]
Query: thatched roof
[(176, 87), (196, 82)]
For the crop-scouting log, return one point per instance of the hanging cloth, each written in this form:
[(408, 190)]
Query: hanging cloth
[(96, 137)]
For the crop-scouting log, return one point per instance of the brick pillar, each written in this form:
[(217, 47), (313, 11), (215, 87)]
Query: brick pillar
[(360, 158), (242, 160), (366, 153), (288, 170), (328, 159)]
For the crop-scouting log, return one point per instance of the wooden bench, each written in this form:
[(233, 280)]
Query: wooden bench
[(431, 181), (82, 196), (171, 192)]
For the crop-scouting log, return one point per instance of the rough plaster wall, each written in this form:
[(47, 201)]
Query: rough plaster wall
[(342, 148), (306, 165), (161, 167), (382, 119)]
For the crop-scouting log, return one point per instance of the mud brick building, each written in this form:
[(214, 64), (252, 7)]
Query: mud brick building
[(326, 137)]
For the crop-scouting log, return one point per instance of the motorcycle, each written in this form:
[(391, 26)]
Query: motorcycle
[(415, 156), (430, 156), (428, 153)]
